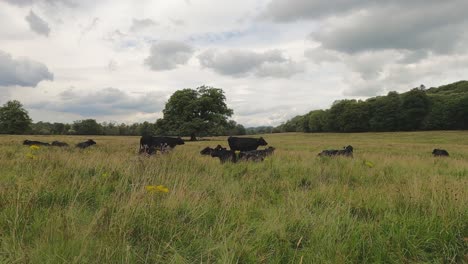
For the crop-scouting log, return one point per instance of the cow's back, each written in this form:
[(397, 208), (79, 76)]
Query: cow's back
[(243, 144)]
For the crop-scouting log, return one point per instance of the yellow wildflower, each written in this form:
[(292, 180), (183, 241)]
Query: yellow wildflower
[(34, 147), (105, 175), (369, 164), (156, 188), (30, 156)]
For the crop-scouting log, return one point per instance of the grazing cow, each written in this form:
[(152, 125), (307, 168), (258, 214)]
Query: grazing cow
[(86, 144), (59, 144), (245, 144), (440, 153), (224, 155), (208, 150), (150, 144), (346, 151), (36, 143)]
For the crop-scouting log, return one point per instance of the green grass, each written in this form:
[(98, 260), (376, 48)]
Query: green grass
[(91, 206)]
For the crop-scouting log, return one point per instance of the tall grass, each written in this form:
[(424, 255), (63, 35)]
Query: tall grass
[(392, 203)]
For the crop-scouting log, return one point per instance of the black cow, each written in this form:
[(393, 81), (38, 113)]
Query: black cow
[(440, 153), (35, 143), (245, 144), (256, 155), (150, 144), (224, 155), (346, 151), (86, 144), (59, 144), (208, 150)]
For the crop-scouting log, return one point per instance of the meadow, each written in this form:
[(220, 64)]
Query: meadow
[(392, 203)]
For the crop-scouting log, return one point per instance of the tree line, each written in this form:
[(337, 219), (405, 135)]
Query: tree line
[(203, 112), (189, 112), (442, 108)]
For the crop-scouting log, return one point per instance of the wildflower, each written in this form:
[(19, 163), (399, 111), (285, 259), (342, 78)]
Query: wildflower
[(105, 175), (156, 188), (30, 156), (369, 164), (34, 147)]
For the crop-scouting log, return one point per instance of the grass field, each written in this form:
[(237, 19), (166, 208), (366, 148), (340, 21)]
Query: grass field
[(392, 203)]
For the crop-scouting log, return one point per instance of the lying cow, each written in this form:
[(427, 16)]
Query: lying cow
[(224, 155), (208, 150), (149, 144), (86, 144), (256, 155), (35, 143), (245, 144), (59, 144), (346, 151), (440, 153)]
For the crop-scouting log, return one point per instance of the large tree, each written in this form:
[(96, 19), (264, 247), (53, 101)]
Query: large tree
[(14, 119), (194, 112)]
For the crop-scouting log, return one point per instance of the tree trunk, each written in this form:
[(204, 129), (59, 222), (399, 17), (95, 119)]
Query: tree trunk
[(193, 137)]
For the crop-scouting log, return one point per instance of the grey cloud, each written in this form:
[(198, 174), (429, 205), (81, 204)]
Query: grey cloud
[(411, 27), (140, 24), (22, 72), (319, 55), (279, 70), (354, 26), (411, 57), (239, 63), (70, 3), (168, 55), (370, 64), (108, 101), (177, 22), (364, 88), (37, 24), (292, 10)]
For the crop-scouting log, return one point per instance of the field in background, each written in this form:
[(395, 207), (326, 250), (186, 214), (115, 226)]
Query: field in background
[(392, 203)]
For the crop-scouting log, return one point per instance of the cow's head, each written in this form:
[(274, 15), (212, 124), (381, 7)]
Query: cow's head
[(90, 142), (270, 149), (262, 142), (26, 142), (180, 141), (206, 151), (220, 152), (349, 148)]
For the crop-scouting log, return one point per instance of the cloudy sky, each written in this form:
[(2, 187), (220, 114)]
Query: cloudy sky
[(120, 60)]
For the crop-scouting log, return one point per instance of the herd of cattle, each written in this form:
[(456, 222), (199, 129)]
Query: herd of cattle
[(247, 148)]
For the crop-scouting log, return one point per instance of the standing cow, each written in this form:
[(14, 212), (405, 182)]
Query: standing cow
[(440, 153), (245, 144), (150, 144)]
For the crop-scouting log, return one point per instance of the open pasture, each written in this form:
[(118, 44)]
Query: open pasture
[(393, 202)]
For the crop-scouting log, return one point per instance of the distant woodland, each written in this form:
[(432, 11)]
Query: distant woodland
[(441, 108)]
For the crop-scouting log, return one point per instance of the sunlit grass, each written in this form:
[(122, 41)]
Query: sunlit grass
[(393, 202)]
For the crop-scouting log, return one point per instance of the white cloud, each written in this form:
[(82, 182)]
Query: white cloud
[(22, 72), (168, 55), (241, 63)]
